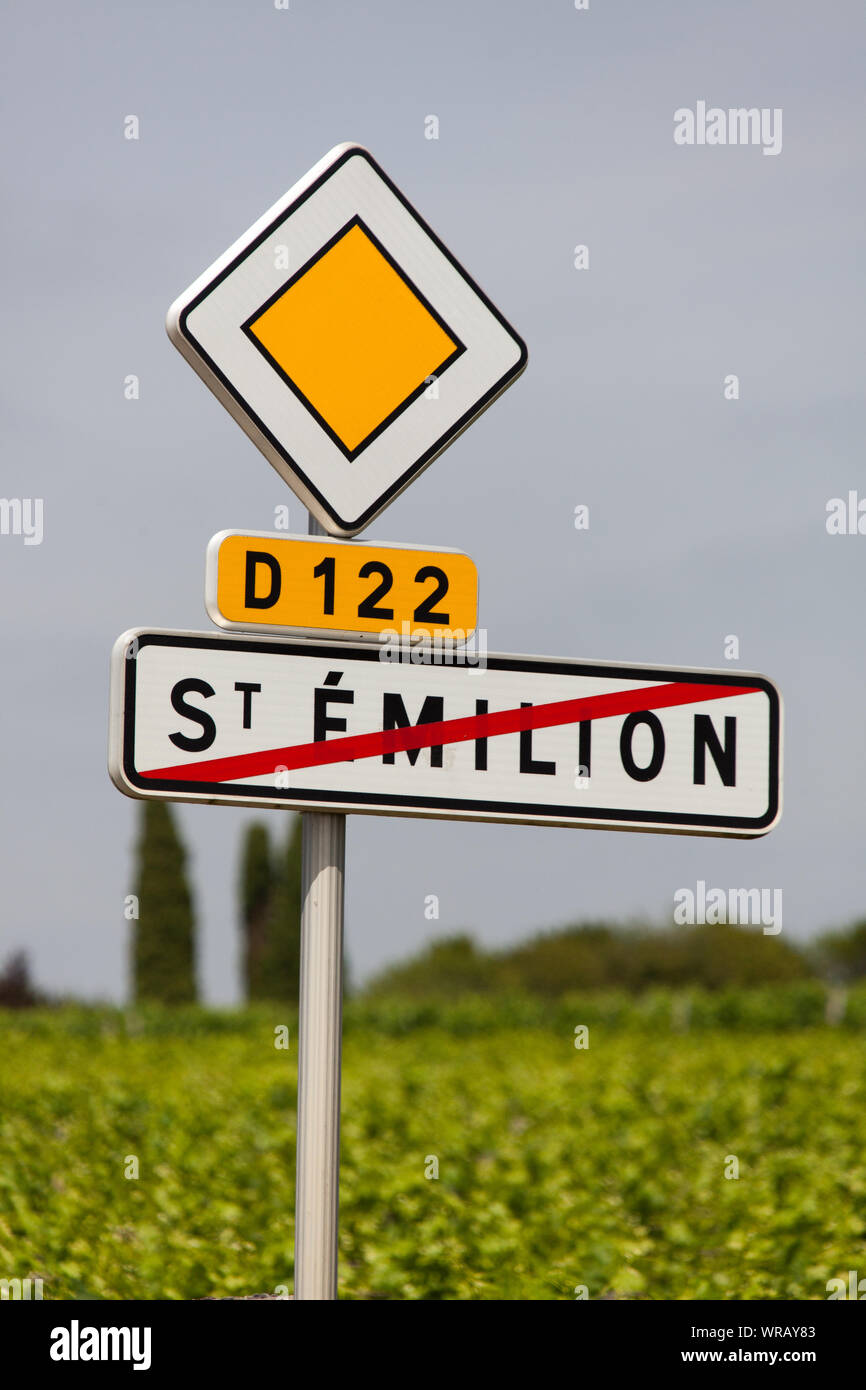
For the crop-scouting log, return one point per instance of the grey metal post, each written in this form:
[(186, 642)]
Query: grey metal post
[(320, 1025)]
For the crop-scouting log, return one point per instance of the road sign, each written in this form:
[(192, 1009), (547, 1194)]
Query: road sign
[(330, 726), (345, 339), (347, 588)]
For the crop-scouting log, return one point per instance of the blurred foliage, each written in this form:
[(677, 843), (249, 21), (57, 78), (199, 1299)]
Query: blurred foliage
[(163, 949), (772, 1008), (283, 946), (558, 1167), (17, 990), (597, 956), (256, 887), (841, 955), (271, 913)]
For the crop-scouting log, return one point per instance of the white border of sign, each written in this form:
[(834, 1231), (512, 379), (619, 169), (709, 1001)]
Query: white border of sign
[(125, 777), (206, 324)]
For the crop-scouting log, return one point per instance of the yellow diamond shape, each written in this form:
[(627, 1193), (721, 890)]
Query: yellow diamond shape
[(353, 338)]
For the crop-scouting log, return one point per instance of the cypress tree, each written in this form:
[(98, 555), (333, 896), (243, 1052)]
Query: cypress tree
[(281, 958), (163, 942), (257, 882)]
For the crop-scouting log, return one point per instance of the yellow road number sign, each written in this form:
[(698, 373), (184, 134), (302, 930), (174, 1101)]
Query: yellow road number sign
[(311, 584)]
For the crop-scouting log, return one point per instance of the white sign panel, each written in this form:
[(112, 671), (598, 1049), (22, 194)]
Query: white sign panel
[(346, 340), (526, 739)]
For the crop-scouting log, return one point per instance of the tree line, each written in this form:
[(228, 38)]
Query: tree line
[(269, 912), (586, 956)]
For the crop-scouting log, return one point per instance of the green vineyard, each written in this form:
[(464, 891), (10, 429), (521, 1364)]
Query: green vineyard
[(670, 1147)]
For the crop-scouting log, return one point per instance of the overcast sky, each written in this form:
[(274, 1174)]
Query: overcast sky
[(707, 516)]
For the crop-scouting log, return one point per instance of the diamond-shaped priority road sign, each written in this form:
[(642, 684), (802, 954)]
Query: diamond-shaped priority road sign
[(346, 340)]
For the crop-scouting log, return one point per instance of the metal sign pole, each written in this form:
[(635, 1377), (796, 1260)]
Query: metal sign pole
[(320, 1025)]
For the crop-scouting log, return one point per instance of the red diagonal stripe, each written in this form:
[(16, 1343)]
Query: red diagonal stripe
[(509, 721)]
